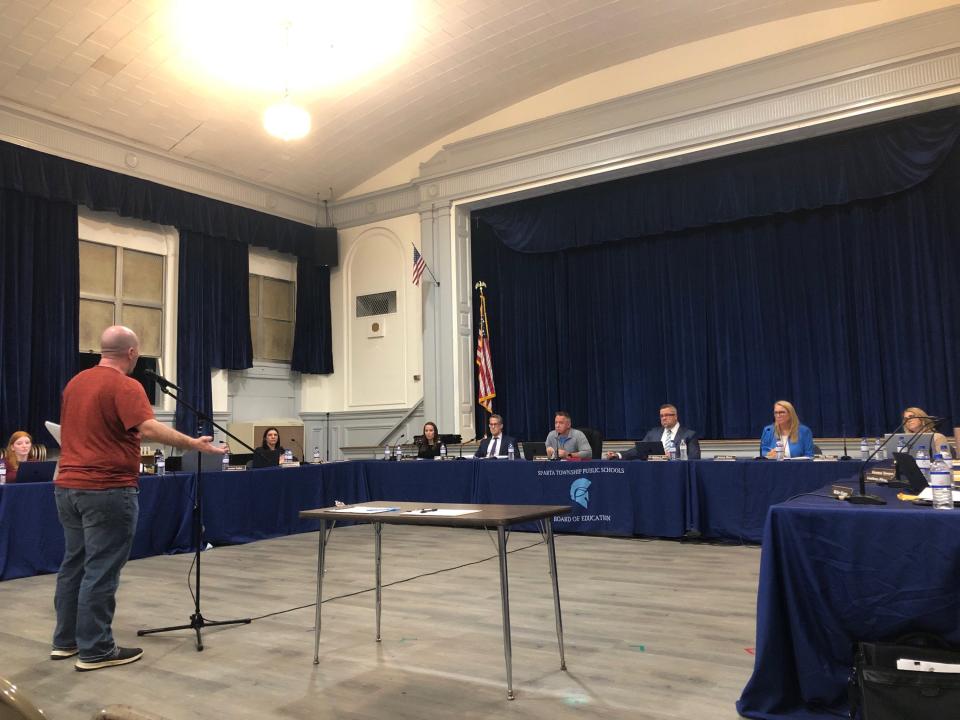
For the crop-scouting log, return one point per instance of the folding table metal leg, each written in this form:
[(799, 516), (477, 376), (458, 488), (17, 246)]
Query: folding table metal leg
[(552, 558), (320, 565), (505, 606), (377, 529)]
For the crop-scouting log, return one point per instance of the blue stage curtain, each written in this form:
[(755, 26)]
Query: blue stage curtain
[(312, 334), (39, 296), (213, 319), (833, 170), (55, 178), (849, 311)]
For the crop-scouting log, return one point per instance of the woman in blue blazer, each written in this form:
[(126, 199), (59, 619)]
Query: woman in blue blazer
[(797, 438)]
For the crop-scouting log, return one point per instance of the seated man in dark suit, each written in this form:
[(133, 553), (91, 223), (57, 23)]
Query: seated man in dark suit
[(496, 444), (669, 430)]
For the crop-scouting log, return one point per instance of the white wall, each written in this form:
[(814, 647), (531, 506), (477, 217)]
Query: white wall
[(372, 372)]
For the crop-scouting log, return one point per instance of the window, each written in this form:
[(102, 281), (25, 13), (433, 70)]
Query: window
[(121, 286), (272, 313)]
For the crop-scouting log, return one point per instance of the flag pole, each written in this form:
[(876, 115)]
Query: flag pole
[(427, 267), (486, 390)]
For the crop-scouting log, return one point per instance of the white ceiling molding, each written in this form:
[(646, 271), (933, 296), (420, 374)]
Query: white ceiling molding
[(759, 104), (879, 73), (29, 128)]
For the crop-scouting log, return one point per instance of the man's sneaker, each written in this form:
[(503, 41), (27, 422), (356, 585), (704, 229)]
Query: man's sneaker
[(63, 653), (124, 656)]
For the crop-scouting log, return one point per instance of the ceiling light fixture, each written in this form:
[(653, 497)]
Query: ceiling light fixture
[(285, 119)]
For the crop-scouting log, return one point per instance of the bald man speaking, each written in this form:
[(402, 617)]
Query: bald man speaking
[(104, 415)]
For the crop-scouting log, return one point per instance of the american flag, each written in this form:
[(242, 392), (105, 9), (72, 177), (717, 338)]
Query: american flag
[(486, 391), (419, 265)]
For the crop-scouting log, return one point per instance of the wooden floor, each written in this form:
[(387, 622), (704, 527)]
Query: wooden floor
[(653, 629)]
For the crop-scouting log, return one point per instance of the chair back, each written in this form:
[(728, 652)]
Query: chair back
[(38, 452), (595, 438), (14, 705)]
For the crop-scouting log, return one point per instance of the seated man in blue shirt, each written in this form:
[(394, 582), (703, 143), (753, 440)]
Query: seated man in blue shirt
[(566, 442)]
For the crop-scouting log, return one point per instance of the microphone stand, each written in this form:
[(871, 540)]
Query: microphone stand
[(303, 453), (863, 498), (197, 621), (846, 455)]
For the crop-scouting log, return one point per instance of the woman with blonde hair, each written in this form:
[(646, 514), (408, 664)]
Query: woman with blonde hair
[(17, 451), (916, 420), (797, 438)]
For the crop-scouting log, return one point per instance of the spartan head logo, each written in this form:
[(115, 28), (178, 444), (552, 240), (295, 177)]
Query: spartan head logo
[(579, 492)]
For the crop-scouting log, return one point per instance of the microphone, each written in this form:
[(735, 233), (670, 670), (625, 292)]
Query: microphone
[(303, 455), (843, 429), (161, 380), (400, 442), (862, 498)]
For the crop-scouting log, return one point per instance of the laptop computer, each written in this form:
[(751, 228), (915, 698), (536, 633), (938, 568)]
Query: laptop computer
[(209, 462), (532, 449), (30, 472), (646, 448)]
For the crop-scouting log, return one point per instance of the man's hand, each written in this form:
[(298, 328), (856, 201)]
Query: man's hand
[(613, 456), (562, 453), (204, 443)]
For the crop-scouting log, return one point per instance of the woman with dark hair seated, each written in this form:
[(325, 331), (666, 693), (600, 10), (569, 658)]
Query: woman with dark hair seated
[(430, 444), (17, 451), (270, 451)]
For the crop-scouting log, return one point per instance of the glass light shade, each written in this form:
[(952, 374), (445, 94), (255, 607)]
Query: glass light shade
[(286, 120)]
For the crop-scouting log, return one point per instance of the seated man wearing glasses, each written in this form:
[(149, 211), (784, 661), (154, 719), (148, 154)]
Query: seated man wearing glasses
[(669, 431)]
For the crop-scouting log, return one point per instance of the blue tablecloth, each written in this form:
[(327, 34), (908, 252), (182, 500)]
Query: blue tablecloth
[(729, 500), (832, 574), (658, 499), (31, 539)]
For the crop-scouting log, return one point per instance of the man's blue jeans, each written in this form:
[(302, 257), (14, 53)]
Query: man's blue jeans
[(98, 529)]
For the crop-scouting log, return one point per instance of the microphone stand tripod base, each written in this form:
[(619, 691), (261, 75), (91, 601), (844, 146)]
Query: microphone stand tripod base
[(865, 500), (197, 623)]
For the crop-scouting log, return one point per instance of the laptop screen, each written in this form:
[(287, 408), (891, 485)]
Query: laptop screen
[(533, 449)]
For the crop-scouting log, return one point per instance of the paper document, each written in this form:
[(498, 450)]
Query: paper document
[(445, 512), (365, 509)]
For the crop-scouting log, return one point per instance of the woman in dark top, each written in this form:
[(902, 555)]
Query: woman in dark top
[(16, 452), (270, 451), (430, 445)]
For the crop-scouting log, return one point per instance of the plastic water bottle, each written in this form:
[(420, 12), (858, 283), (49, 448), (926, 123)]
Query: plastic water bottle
[(671, 450), (779, 449), (386, 451), (443, 451), (3, 471), (900, 444), (159, 463), (316, 455), (288, 455), (225, 460), (879, 450), (398, 453), (683, 450), (941, 483), (947, 457), (923, 462), (511, 453), (864, 449)]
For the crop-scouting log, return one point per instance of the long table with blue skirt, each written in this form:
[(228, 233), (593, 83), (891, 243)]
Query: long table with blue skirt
[(833, 574), (723, 500)]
